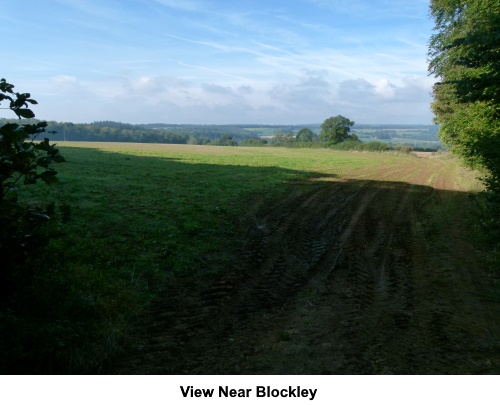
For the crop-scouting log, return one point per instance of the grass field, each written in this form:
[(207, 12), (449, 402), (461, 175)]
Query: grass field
[(148, 219), (176, 203), (142, 215)]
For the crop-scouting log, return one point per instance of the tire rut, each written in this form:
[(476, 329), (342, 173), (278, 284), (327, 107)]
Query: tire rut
[(296, 243), (327, 281)]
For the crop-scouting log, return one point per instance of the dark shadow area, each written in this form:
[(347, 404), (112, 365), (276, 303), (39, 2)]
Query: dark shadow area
[(337, 280), (175, 267)]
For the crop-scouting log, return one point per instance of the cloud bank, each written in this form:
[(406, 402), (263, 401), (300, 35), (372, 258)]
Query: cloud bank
[(215, 62), (307, 99)]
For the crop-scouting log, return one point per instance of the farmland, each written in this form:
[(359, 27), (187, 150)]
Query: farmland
[(213, 260), (417, 136)]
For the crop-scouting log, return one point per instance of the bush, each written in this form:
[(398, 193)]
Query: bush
[(375, 146), (403, 148), (25, 230), (362, 146), (254, 142), (65, 304), (348, 145), (31, 335)]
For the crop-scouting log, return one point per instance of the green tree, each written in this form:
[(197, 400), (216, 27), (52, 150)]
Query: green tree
[(464, 54), (23, 228), (305, 135), (336, 129), (283, 139)]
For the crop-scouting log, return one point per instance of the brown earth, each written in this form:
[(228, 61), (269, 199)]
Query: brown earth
[(371, 274)]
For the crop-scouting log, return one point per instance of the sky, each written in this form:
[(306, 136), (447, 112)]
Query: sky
[(220, 61)]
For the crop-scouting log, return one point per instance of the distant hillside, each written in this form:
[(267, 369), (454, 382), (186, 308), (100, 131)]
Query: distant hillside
[(110, 131)]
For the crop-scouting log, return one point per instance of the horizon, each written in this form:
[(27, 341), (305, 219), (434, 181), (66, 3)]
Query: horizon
[(213, 62), (228, 125)]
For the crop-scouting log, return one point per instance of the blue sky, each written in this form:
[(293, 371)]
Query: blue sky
[(220, 62)]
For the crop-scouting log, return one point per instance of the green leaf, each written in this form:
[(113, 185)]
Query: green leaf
[(4, 97), (8, 128), (49, 177), (6, 87), (24, 113)]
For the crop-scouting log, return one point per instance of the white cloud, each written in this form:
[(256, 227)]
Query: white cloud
[(308, 98), (385, 89), (356, 90), (147, 86)]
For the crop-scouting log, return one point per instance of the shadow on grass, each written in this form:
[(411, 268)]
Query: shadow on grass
[(143, 226)]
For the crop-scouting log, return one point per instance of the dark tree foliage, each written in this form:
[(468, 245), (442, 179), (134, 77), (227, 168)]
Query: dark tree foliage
[(226, 140), (464, 54), (23, 161), (254, 142), (110, 131)]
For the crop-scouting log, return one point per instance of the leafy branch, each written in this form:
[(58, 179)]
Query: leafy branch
[(23, 160)]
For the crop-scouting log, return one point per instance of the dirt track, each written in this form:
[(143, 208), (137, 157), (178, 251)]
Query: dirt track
[(347, 276)]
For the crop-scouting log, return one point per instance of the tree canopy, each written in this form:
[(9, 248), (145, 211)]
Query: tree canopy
[(336, 129), (464, 54), (305, 135)]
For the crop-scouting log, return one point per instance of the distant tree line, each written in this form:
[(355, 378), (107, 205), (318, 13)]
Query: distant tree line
[(333, 131), (110, 131)]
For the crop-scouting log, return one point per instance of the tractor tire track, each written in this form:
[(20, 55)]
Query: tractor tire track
[(334, 280)]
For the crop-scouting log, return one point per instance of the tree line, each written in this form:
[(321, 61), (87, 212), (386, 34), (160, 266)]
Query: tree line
[(464, 55), (333, 131), (110, 131)]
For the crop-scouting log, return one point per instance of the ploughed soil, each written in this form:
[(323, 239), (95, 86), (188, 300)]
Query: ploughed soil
[(371, 274)]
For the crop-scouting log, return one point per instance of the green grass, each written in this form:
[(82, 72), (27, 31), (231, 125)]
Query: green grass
[(144, 216), (175, 206)]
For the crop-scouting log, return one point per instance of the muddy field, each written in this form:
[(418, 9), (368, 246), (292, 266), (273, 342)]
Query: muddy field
[(371, 273)]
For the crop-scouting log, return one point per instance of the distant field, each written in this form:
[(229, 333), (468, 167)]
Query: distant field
[(416, 143), (164, 223), (423, 136), (264, 132)]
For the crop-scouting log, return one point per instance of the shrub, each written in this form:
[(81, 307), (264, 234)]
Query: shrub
[(348, 145), (375, 146), (403, 148), (25, 230), (254, 142)]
